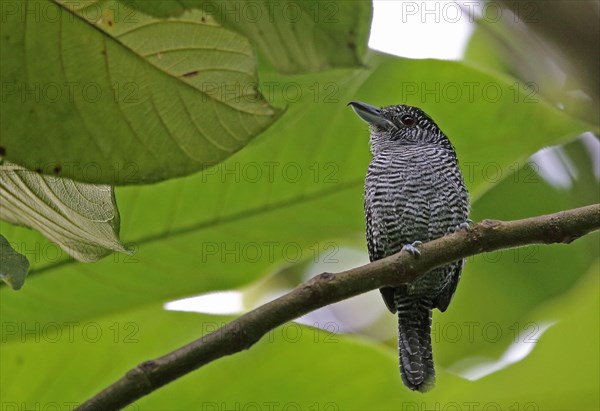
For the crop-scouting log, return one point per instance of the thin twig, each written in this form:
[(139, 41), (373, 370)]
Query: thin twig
[(327, 288)]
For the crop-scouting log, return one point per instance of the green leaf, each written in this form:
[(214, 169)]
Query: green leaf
[(563, 361), (479, 52), (297, 366), (82, 219), (102, 93), (498, 291), (508, 47), (13, 267), (371, 379), (295, 189), (314, 355), (294, 36), (494, 121)]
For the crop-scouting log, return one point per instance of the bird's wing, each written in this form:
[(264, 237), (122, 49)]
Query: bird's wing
[(406, 223), (386, 218), (388, 298), (445, 296), (455, 211)]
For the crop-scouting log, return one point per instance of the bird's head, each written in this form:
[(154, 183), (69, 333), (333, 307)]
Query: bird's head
[(395, 126)]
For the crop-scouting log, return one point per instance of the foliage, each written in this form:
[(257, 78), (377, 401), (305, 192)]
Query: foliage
[(277, 199)]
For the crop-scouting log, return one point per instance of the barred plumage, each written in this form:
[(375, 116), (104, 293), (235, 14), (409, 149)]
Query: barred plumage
[(414, 192)]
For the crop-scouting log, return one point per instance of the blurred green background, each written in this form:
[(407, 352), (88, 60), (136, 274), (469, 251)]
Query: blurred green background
[(284, 202)]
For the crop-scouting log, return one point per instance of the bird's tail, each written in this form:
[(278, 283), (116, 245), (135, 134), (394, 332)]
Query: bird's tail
[(414, 343)]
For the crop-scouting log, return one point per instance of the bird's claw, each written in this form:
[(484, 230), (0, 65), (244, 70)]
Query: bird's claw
[(466, 225), (412, 248), (462, 226)]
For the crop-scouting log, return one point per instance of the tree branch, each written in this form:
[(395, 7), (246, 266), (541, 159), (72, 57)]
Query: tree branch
[(327, 288)]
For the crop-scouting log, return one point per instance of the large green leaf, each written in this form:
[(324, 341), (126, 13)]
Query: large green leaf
[(285, 197), (561, 372), (296, 367), (499, 291), (294, 189), (310, 367), (103, 93), (294, 36)]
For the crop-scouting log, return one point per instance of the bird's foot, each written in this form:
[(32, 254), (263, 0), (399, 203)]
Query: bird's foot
[(466, 225), (462, 226), (412, 248)]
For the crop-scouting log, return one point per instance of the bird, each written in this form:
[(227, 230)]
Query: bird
[(414, 193)]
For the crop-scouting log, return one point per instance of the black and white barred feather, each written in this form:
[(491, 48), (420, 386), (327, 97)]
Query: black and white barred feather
[(414, 192)]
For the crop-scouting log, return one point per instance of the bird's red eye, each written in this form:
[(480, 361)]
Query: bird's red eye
[(408, 121)]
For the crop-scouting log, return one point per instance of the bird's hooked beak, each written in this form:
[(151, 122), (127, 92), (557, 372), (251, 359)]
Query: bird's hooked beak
[(370, 114)]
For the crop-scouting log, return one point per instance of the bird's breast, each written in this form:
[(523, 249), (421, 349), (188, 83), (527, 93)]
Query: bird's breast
[(410, 195)]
